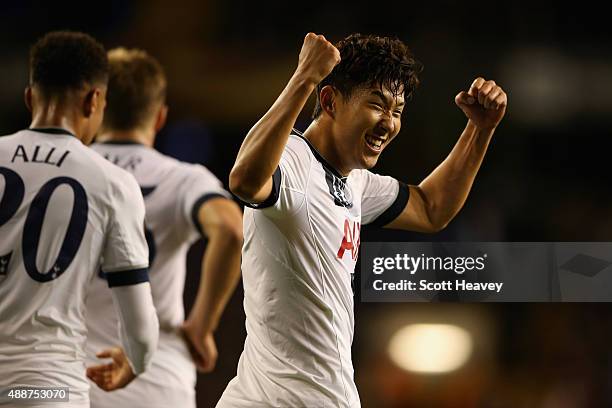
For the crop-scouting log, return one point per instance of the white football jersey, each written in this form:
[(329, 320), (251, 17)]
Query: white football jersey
[(173, 193), (65, 213), (299, 255)]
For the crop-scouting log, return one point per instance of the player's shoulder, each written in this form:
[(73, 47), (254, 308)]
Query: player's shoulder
[(6, 142), (373, 184), (111, 175), (298, 151), (150, 161), (108, 169), (358, 178), (366, 175), (127, 148), (167, 166), (7, 139), (298, 144), (190, 173), (359, 174)]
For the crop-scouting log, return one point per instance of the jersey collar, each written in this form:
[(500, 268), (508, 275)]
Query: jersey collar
[(121, 142), (53, 131), (326, 165), (336, 183)]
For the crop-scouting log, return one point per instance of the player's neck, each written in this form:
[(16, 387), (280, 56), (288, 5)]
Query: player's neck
[(53, 116), (143, 137), (318, 135)]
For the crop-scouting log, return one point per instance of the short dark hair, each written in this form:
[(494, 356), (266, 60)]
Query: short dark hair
[(369, 60), (67, 60), (136, 87)]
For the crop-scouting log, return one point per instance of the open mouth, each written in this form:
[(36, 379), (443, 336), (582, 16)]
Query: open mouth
[(375, 143)]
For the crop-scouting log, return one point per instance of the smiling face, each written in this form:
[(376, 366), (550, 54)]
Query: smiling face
[(364, 125), (359, 104)]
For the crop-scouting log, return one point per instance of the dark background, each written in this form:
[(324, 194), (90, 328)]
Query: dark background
[(546, 176)]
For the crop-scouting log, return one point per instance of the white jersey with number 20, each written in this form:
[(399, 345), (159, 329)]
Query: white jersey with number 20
[(65, 212)]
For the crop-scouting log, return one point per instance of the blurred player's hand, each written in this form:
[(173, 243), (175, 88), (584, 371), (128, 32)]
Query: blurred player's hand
[(114, 375), (318, 58), (202, 347), (484, 104)]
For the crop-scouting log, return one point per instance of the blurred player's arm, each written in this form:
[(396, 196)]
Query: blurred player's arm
[(139, 331), (436, 201), (221, 222), (125, 259), (260, 153)]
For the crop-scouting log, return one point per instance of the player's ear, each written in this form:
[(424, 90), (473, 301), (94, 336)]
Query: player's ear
[(27, 96), (92, 102), (160, 119), (327, 98)]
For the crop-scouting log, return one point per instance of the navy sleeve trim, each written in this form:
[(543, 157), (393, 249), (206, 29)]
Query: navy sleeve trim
[(126, 278), (395, 209), (196, 209), (147, 190), (274, 194)]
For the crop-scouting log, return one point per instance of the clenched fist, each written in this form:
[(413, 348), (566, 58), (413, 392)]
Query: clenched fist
[(318, 58), (484, 104), (202, 346)]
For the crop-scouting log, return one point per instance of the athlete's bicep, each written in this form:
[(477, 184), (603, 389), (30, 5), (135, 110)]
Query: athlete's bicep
[(268, 195), (264, 193), (414, 216), (220, 214), (285, 190)]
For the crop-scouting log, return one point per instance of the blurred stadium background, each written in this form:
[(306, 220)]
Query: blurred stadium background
[(546, 177)]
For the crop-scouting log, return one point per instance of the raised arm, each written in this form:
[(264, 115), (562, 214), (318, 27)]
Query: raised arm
[(221, 222), (260, 153), (436, 201)]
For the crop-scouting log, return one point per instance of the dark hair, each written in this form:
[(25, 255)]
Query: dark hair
[(66, 60), (136, 87), (369, 60)]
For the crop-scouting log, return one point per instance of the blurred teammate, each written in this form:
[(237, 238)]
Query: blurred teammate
[(64, 213), (183, 202), (310, 195)]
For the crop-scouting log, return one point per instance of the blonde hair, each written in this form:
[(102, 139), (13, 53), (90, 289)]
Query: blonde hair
[(136, 88)]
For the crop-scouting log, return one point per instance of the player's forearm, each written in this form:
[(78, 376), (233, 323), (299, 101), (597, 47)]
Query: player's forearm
[(446, 189), (138, 321), (220, 275), (261, 150)]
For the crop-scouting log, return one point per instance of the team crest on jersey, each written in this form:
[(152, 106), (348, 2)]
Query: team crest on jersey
[(339, 190), (4, 261), (351, 239)]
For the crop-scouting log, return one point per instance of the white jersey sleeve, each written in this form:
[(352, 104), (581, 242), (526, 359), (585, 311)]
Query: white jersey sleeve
[(197, 186), (383, 198), (126, 247), (138, 324), (290, 179)]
